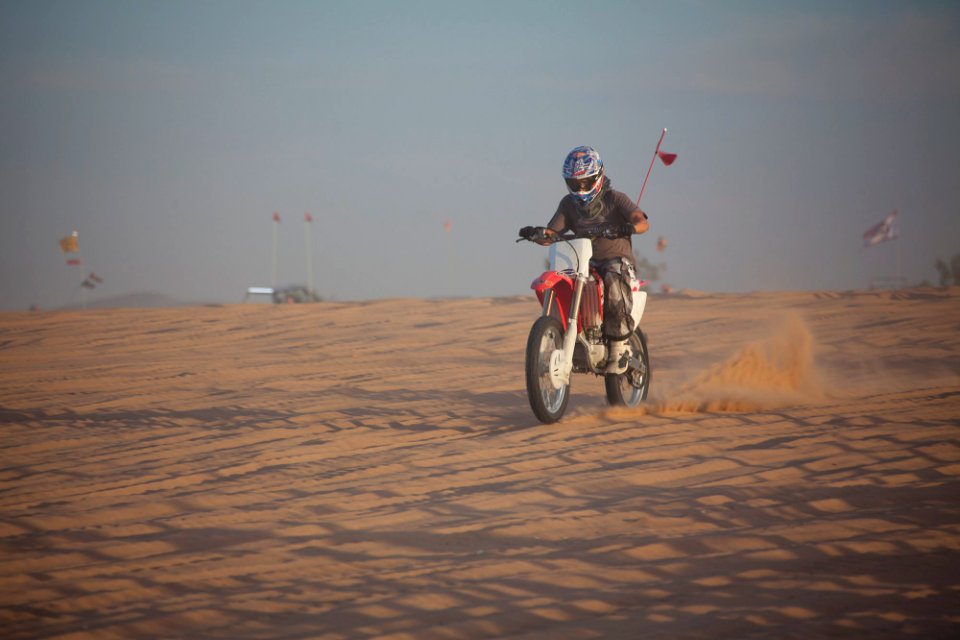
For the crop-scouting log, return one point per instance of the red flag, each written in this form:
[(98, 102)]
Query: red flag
[(666, 158), (447, 225), (74, 262), (307, 217), (276, 217)]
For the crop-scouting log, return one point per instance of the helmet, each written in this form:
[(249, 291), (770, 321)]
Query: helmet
[(583, 173)]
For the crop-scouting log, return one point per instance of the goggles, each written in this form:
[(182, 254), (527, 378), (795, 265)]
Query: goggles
[(582, 185)]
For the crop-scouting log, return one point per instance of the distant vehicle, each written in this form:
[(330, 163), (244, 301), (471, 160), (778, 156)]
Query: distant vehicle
[(294, 294), (285, 295)]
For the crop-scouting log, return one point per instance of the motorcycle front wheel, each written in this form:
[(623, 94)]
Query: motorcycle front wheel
[(547, 401), (630, 388)]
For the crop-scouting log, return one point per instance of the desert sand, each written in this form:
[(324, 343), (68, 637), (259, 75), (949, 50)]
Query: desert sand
[(373, 470)]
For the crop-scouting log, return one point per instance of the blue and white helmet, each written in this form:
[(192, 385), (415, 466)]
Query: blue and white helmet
[(583, 173)]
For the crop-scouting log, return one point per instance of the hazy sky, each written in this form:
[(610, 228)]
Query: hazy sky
[(167, 133)]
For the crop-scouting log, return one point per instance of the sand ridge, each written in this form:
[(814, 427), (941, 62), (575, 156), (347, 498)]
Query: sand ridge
[(372, 469)]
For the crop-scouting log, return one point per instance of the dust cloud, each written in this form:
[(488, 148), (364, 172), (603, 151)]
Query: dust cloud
[(776, 371)]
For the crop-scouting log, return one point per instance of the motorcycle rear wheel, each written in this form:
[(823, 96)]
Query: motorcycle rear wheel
[(630, 388), (548, 402)]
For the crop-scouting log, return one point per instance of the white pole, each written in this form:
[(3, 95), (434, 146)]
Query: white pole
[(273, 267), (899, 281), (307, 219), (83, 290)]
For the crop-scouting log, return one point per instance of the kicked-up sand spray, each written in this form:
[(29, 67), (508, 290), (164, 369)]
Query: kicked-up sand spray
[(774, 372)]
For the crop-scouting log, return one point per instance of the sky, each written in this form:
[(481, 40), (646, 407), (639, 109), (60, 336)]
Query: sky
[(168, 133)]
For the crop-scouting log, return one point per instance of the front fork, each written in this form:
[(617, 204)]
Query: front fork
[(561, 360)]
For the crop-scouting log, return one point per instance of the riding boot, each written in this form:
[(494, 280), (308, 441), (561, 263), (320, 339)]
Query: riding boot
[(619, 357)]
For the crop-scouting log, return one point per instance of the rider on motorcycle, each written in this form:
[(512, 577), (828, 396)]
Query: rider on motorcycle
[(592, 204)]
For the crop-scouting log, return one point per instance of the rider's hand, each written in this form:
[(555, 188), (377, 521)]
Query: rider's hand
[(545, 236), (609, 231), (625, 230), (528, 232), (613, 231)]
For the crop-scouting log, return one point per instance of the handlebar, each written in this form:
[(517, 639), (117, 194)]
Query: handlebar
[(533, 234)]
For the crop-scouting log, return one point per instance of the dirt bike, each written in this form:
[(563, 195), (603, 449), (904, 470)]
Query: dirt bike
[(568, 338)]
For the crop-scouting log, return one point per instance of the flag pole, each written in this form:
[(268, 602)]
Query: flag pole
[(650, 168), (273, 253), (307, 219), (899, 281), (83, 290)]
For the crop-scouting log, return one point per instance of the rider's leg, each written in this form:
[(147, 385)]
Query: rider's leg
[(617, 318), (617, 301), (619, 357)]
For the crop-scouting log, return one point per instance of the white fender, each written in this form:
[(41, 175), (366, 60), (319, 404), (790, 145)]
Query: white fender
[(639, 302)]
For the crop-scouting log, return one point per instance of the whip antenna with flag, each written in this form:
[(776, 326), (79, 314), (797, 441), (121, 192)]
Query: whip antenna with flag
[(666, 158), (885, 230), (70, 245)]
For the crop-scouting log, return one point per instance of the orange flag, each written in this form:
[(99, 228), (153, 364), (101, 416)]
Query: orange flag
[(69, 244)]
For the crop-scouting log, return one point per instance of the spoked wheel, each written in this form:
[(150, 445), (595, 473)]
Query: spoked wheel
[(630, 388), (548, 397)]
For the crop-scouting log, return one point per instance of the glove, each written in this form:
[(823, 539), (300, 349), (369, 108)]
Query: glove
[(528, 232), (612, 231)]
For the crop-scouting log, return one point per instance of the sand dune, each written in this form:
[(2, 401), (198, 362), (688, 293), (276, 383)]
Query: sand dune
[(372, 470)]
